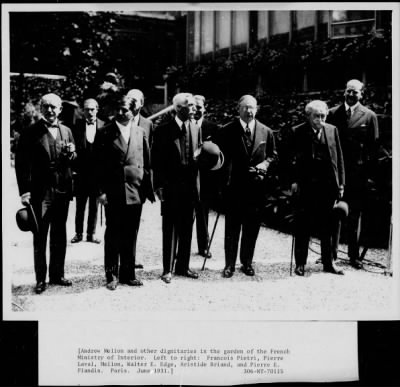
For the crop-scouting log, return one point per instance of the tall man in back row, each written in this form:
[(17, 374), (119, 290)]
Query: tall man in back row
[(43, 163), (85, 166), (249, 150), (359, 133)]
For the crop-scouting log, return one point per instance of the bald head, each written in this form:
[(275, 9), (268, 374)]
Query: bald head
[(50, 107), (247, 108)]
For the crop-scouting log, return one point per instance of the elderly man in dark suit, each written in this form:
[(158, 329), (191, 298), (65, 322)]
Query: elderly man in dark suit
[(124, 183), (208, 179), (177, 185), (318, 181), (138, 102), (85, 166), (249, 150), (359, 133), (43, 161)]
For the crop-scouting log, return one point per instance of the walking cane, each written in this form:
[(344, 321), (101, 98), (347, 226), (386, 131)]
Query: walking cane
[(211, 239), (291, 256)]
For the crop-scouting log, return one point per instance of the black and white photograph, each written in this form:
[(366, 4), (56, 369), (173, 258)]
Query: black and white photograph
[(204, 162)]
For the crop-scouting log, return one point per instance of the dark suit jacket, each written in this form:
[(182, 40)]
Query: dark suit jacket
[(166, 160), (358, 138), (83, 163), (124, 173), (303, 155), (35, 174), (241, 185), (147, 125)]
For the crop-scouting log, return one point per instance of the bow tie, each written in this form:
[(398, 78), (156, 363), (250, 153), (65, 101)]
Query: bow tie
[(50, 125), (90, 122)]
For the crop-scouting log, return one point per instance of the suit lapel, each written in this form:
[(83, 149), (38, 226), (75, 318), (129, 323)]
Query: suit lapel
[(119, 141), (358, 113), (258, 137), (177, 135)]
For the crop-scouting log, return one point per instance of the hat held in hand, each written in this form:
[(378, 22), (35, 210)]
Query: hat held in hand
[(26, 219), (341, 208), (209, 156)]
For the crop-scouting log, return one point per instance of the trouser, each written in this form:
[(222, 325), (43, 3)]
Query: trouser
[(81, 199), (315, 210), (245, 219), (177, 227), (51, 214), (122, 225)]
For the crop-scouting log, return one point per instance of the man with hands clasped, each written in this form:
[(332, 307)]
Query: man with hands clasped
[(318, 182)]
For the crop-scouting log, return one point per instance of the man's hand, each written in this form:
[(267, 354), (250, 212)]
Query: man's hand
[(295, 188), (102, 199), (26, 198), (160, 194), (341, 191)]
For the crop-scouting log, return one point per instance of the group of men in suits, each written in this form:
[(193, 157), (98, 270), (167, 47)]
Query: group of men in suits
[(125, 162)]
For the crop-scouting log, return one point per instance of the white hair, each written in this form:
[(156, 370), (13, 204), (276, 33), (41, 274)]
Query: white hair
[(51, 97), (355, 83), (315, 106), (136, 94), (90, 100), (247, 96), (181, 98)]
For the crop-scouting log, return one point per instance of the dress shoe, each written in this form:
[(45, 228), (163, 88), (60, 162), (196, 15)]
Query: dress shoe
[(167, 278), (40, 287), (228, 272), (60, 281), (332, 268), (299, 270), (112, 285), (356, 263), (248, 270), (132, 282), (93, 239), (138, 266), (77, 238), (187, 273), (205, 254)]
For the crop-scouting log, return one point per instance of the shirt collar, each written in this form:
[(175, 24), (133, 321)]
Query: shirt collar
[(352, 108), (199, 122), (251, 124), (136, 120), (179, 122), (91, 123), (51, 125), (123, 128)]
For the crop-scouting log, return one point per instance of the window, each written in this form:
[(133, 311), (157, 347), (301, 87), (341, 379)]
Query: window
[(351, 23)]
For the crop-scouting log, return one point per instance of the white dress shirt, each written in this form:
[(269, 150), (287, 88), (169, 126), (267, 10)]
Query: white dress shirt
[(125, 130), (352, 108), (251, 125), (90, 132)]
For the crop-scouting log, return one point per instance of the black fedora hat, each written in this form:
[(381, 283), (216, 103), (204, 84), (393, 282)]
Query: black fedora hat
[(341, 208), (26, 219), (209, 156)]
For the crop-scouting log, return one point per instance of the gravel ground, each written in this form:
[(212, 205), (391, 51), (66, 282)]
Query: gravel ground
[(272, 291)]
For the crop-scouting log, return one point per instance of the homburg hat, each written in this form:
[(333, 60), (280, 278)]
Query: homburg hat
[(209, 156), (26, 219), (341, 208)]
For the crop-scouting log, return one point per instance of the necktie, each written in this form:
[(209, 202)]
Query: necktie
[(248, 136), (348, 114)]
